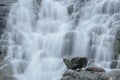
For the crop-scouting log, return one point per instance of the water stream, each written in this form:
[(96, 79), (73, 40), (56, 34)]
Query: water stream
[(40, 33)]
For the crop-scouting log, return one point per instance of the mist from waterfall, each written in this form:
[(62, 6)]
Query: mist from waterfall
[(40, 33)]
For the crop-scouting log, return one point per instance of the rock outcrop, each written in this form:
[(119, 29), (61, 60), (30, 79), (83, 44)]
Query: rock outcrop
[(75, 71), (84, 75), (6, 72), (76, 63)]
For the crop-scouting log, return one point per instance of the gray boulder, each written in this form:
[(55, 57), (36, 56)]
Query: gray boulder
[(76, 63)]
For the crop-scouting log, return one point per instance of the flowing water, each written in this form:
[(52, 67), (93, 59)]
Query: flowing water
[(40, 33)]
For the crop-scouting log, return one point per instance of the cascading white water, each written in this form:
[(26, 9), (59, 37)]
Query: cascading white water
[(36, 39), (99, 21), (40, 35)]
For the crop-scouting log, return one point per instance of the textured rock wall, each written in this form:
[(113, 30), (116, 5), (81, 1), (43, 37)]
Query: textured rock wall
[(4, 9), (6, 71)]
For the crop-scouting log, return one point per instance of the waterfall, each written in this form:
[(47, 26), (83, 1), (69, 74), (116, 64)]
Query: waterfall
[(40, 33)]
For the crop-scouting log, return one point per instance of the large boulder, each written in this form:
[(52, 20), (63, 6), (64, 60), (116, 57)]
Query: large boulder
[(84, 75), (76, 62)]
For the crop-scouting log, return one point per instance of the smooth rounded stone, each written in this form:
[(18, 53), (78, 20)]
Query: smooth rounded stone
[(95, 69), (76, 62), (114, 75), (84, 75)]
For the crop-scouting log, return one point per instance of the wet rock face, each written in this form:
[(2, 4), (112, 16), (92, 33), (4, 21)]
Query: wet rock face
[(117, 42), (76, 63), (84, 75), (6, 71), (113, 64), (4, 9), (78, 4)]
